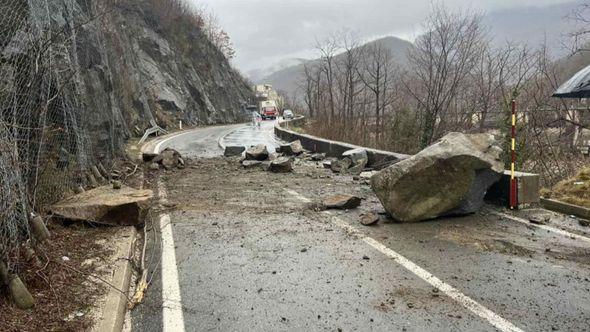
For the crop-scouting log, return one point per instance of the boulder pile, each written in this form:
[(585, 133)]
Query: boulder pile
[(167, 159), (450, 177), (280, 162), (351, 162)]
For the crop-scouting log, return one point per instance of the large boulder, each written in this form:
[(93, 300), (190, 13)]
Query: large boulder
[(258, 152), (450, 177), (105, 205), (292, 149)]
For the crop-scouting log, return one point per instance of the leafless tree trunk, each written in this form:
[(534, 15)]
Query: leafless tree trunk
[(441, 61)]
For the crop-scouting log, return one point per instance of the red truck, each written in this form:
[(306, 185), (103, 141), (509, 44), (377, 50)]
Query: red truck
[(269, 109)]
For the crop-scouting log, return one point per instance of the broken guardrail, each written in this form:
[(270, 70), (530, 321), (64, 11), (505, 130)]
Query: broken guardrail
[(155, 129)]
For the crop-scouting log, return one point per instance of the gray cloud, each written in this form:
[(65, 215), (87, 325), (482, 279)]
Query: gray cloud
[(268, 30)]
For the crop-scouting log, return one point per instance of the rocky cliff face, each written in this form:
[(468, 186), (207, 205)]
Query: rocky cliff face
[(132, 70)]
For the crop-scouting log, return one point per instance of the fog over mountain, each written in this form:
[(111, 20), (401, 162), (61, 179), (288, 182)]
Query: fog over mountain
[(265, 32), (287, 80)]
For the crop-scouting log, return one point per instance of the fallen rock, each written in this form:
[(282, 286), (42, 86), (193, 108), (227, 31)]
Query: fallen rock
[(356, 156), (539, 220), (117, 184), (292, 149), (20, 294), (105, 205), (281, 165), (233, 151), (357, 169), (251, 163), (584, 222), (148, 156), (169, 158), (450, 177), (343, 202), (258, 152), (327, 164), (357, 160), (369, 219), (340, 166), (318, 156)]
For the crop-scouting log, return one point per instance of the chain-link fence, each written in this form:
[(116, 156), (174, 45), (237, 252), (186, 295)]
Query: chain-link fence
[(45, 149)]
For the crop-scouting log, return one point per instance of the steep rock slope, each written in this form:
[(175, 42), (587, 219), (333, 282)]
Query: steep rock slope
[(134, 69)]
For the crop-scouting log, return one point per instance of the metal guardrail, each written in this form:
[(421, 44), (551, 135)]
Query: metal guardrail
[(155, 129)]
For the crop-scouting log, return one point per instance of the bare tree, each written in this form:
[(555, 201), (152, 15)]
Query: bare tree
[(442, 59), (579, 36), (378, 74)]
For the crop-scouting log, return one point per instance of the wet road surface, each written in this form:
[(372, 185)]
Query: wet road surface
[(251, 255)]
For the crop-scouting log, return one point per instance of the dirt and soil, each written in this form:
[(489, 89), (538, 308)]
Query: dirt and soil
[(63, 285)]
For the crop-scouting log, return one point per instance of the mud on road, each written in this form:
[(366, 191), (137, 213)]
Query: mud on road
[(252, 255)]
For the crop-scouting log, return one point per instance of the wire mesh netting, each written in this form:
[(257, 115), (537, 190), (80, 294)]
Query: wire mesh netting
[(44, 146)]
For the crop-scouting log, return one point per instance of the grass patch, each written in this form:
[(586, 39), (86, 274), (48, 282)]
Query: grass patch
[(575, 190)]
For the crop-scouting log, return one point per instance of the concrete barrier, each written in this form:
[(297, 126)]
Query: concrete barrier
[(528, 185), (566, 208), (377, 158)]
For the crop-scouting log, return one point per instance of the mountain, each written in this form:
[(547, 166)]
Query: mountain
[(288, 80), (259, 74)]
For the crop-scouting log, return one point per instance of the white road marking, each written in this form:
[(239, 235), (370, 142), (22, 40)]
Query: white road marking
[(159, 145), (473, 306), (172, 315), (545, 227)]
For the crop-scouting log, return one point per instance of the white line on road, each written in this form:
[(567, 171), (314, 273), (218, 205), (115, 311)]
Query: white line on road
[(545, 227), (172, 315), (473, 306)]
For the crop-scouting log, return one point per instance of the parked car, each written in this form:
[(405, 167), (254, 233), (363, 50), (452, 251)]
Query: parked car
[(288, 114)]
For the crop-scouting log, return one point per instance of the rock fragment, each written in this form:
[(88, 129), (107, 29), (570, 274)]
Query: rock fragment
[(281, 165), (258, 152), (340, 166), (292, 149), (148, 156), (369, 219), (318, 156), (20, 294), (233, 151), (342, 202)]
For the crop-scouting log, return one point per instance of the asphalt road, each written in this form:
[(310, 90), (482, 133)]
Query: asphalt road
[(249, 255)]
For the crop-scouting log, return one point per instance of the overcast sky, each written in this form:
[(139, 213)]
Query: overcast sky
[(264, 31)]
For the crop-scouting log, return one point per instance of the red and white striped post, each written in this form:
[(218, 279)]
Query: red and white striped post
[(513, 182)]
